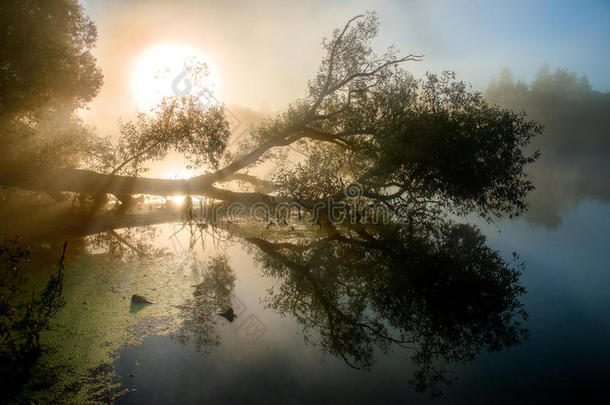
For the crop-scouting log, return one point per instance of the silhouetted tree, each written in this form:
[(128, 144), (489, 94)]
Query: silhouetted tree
[(25, 312), (47, 71), (406, 141)]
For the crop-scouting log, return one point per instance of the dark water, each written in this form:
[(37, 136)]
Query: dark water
[(261, 357)]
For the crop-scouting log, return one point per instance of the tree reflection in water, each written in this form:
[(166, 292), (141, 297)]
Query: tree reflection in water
[(436, 290), (433, 288), (128, 243), (212, 295)]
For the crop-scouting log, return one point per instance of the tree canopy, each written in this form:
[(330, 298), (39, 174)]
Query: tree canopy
[(408, 142), (47, 71), (46, 57)]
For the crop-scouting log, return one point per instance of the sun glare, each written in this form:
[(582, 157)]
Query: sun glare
[(177, 199), (179, 174), (159, 70)]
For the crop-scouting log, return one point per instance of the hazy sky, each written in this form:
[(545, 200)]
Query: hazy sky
[(264, 52)]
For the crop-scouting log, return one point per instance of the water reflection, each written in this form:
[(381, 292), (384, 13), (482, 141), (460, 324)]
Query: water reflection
[(128, 243), (437, 291), (432, 290), (440, 292), (212, 295)]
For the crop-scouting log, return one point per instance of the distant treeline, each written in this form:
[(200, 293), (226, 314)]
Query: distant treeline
[(576, 143)]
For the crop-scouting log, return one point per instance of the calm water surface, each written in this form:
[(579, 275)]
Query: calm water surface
[(261, 357)]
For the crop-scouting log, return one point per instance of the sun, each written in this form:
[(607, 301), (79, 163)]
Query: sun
[(178, 174), (162, 69)]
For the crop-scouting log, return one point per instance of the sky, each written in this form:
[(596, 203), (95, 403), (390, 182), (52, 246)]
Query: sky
[(263, 53)]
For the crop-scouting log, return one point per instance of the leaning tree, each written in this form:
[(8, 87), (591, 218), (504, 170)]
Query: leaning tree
[(411, 144)]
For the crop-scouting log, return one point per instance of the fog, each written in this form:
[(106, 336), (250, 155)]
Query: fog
[(294, 193), (575, 147), (262, 66)]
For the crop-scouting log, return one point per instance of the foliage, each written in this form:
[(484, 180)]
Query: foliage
[(47, 71), (413, 144), (319, 176), (405, 140), (46, 56), (182, 124), (24, 315)]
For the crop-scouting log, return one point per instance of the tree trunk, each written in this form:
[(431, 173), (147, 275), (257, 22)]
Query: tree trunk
[(87, 181)]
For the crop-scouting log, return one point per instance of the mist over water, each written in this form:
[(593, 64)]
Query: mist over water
[(574, 166), (304, 203)]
